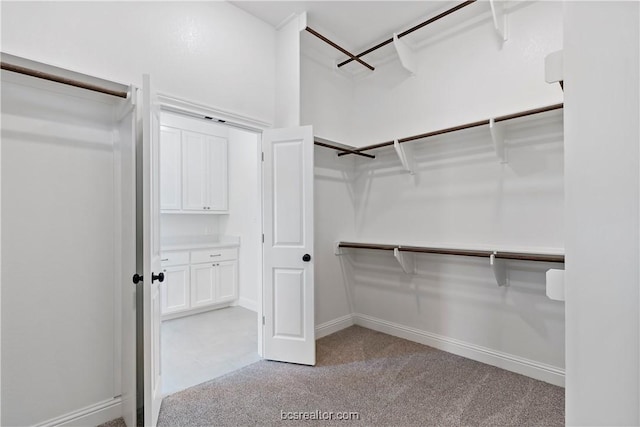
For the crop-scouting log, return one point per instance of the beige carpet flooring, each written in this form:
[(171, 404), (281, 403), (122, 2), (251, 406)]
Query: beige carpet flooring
[(384, 379)]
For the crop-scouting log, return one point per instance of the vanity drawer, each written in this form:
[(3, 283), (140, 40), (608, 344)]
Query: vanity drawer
[(174, 258), (209, 255)]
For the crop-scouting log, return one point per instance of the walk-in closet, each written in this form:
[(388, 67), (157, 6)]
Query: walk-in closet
[(365, 213)]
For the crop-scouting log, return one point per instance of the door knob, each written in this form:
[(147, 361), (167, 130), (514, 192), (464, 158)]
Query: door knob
[(159, 277), (306, 257), (137, 278)]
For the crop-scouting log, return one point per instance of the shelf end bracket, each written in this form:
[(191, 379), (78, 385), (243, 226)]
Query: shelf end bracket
[(405, 154), (499, 270), (406, 261), (497, 135), (555, 284), (499, 18)]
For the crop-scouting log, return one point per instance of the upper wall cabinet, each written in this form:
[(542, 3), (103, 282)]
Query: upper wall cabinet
[(193, 174)]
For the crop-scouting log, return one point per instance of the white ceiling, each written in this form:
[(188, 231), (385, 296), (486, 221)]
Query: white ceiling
[(358, 25)]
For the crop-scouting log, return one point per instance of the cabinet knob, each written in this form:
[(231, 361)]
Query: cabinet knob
[(306, 257), (159, 277)]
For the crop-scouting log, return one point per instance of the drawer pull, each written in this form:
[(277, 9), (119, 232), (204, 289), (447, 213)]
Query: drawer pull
[(166, 259), (215, 255)]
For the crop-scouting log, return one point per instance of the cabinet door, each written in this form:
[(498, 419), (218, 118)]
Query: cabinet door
[(194, 171), (174, 290), (218, 176), (170, 169), (227, 281), (202, 284)]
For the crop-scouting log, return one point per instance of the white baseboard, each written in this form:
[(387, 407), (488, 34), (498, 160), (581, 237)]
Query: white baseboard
[(332, 326), (248, 304), (92, 415), (510, 362)]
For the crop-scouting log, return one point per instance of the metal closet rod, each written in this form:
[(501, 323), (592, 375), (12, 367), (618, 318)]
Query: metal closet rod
[(342, 149), (404, 33), (60, 79), (456, 128), (340, 48), (522, 256)]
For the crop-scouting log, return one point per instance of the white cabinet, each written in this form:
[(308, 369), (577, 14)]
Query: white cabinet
[(193, 166), (198, 280), (170, 169), (205, 178), (174, 291)]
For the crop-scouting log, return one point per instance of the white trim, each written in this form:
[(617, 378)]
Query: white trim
[(170, 103), (510, 362), (198, 310), (248, 304), (333, 326), (92, 415)]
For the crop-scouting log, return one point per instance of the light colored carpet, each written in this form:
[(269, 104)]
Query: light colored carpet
[(386, 380), (118, 422)]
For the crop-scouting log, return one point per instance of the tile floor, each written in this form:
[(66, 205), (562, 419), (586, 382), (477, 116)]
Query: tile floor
[(204, 346)]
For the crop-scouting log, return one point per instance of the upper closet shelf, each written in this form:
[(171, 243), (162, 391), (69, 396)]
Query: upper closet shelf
[(496, 131)]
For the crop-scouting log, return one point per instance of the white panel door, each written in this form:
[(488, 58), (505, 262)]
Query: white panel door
[(175, 289), (226, 281), (288, 295), (170, 169), (218, 176), (152, 274), (203, 277), (194, 164)]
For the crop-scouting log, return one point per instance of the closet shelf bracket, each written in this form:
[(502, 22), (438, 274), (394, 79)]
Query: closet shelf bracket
[(555, 284), (337, 249), (406, 55), (499, 18), (554, 68), (499, 270), (406, 260), (405, 154), (497, 135)]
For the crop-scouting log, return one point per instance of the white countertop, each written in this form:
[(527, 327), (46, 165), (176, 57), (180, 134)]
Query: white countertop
[(185, 243)]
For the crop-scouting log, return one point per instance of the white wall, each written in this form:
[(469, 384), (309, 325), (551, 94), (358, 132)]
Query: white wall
[(245, 211), (287, 75), (60, 337), (601, 74), (326, 100), (461, 195), (211, 53), (333, 219)]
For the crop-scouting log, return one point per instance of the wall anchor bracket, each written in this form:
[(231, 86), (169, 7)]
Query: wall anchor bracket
[(406, 261), (497, 135), (499, 18), (405, 154), (499, 270), (406, 55)]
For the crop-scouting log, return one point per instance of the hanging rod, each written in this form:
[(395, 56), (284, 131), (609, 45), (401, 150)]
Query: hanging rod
[(340, 48), (522, 256), (404, 33), (60, 79), (342, 150), (457, 128)]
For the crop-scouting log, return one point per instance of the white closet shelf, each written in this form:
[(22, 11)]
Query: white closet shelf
[(521, 256)]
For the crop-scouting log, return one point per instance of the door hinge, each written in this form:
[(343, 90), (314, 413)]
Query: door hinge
[(263, 321), (262, 237), (263, 156)]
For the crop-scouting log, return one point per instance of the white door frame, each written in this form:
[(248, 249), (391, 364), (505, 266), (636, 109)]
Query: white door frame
[(188, 108)]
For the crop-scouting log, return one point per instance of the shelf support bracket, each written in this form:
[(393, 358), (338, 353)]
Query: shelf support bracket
[(554, 68), (555, 284), (497, 135), (406, 55), (406, 261), (337, 250), (499, 270), (499, 18), (405, 154)]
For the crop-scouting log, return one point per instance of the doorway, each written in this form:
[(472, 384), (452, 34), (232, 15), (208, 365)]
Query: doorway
[(211, 248)]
